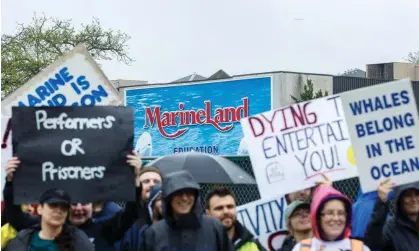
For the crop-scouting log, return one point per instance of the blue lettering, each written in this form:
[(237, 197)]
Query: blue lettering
[(400, 144), (395, 168), (87, 100), (101, 92), (59, 100), (21, 104), (379, 103), (267, 149), (385, 125), (65, 74), (56, 82), (32, 100), (83, 83), (75, 88), (42, 92)]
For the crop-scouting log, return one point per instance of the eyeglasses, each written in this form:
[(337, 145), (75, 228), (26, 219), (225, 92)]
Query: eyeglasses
[(330, 214)]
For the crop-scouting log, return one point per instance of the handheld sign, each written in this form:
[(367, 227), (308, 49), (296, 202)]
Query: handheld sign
[(73, 80), (79, 149), (383, 125), (265, 220), (292, 146)]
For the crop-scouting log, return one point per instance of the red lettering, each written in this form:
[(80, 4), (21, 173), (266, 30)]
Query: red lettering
[(182, 117), (262, 126)]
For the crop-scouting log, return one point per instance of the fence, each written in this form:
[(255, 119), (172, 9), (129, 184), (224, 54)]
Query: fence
[(249, 193)]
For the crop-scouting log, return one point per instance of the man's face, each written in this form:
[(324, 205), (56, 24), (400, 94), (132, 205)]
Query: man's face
[(80, 213), (148, 180), (223, 209), (53, 214), (302, 195), (300, 220), (182, 201), (410, 202), (158, 206)]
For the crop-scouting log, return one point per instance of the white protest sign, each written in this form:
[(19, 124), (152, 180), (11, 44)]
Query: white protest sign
[(292, 146), (265, 220), (383, 125), (6, 150), (73, 80)]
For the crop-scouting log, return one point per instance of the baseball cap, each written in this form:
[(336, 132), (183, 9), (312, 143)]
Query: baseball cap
[(294, 206), (55, 196)]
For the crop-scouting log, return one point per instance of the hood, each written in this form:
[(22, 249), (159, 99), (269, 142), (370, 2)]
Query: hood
[(399, 193), (323, 194), (174, 182), (154, 194)]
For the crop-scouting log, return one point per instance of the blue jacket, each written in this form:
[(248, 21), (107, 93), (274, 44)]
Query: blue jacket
[(361, 211), (134, 236)]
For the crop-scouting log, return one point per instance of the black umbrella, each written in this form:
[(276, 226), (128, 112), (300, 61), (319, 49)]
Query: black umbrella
[(205, 168)]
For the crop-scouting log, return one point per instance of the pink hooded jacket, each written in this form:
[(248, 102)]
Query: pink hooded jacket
[(322, 194)]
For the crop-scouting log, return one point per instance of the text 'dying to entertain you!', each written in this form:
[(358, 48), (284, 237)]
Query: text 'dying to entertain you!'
[(303, 130), (71, 147), (392, 143)]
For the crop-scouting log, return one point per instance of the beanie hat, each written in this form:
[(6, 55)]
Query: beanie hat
[(148, 169)]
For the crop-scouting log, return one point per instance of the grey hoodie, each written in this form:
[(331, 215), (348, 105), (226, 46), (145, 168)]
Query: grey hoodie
[(398, 233), (191, 232)]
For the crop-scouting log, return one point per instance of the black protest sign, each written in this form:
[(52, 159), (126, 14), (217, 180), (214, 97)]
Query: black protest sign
[(79, 149)]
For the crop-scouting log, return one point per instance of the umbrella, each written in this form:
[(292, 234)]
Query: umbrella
[(205, 168)]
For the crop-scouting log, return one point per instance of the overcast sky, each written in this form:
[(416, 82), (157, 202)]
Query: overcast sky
[(174, 38)]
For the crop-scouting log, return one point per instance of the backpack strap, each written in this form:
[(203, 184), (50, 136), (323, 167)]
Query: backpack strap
[(306, 245), (357, 245)]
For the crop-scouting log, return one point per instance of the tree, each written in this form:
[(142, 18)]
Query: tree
[(36, 45), (308, 93), (413, 57)]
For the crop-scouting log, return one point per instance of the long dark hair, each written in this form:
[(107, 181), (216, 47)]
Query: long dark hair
[(65, 240)]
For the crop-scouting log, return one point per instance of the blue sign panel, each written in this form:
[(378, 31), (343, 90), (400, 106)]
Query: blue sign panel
[(196, 117)]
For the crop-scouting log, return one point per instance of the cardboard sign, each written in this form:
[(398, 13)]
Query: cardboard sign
[(383, 125), (73, 80), (79, 149), (6, 149), (292, 146), (265, 220)]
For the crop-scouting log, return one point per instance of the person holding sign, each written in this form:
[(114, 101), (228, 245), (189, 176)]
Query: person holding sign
[(52, 234), (103, 234), (400, 232), (184, 227), (331, 214)]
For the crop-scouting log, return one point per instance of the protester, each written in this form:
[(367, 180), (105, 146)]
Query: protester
[(8, 233), (103, 234), (52, 234), (331, 215), (297, 218), (221, 204), (301, 195), (184, 226), (133, 237), (104, 210), (400, 232)]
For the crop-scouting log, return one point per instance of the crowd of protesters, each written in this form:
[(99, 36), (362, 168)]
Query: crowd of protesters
[(168, 215)]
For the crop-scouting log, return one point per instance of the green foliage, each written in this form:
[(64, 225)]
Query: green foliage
[(413, 57), (36, 45), (309, 94)]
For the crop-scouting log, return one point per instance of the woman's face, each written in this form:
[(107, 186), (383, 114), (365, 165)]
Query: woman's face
[(300, 220), (333, 219), (54, 214)]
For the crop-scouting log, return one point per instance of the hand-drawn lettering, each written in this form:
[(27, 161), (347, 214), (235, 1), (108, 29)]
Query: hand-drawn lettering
[(50, 172), (74, 147)]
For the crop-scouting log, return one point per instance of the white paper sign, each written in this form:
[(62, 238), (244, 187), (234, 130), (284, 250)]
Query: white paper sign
[(383, 125), (73, 80), (292, 146), (6, 150), (265, 220)]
